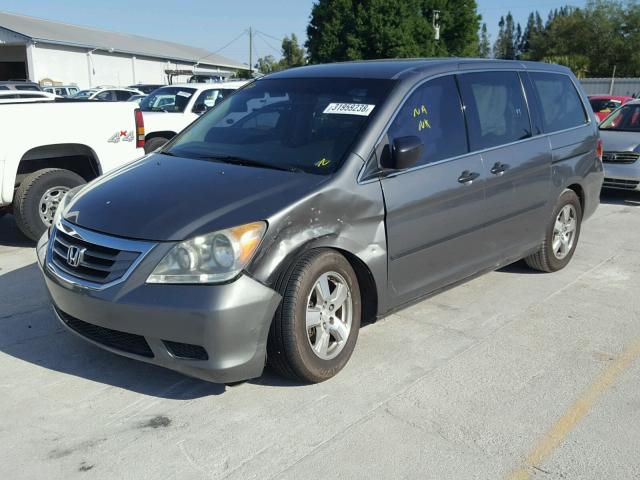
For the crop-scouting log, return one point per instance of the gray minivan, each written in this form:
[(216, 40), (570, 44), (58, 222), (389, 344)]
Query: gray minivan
[(318, 198)]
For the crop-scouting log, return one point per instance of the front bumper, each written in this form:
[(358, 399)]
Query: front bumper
[(622, 176), (229, 321)]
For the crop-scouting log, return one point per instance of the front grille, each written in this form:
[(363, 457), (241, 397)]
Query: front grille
[(620, 157), (623, 184), (98, 264), (126, 342), (186, 350)]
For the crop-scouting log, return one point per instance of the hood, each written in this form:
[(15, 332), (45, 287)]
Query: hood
[(613, 141), (165, 198)]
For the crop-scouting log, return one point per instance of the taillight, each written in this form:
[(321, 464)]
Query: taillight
[(139, 128), (599, 149)]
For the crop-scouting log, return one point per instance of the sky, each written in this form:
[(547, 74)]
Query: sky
[(213, 24)]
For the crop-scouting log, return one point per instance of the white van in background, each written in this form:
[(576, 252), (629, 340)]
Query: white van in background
[(168, 110)]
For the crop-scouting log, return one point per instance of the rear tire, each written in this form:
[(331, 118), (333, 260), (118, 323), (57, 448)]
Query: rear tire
[(37, 198), (561, 236), (153, 144), (315, 328)]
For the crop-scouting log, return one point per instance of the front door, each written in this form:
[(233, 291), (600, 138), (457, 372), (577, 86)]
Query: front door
[(434, 210)]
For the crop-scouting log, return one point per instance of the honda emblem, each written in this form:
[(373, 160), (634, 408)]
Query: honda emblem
[(75, 255)]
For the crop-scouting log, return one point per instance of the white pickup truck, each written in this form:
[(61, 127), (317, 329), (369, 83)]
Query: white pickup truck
[(50, 147), (168, 110)]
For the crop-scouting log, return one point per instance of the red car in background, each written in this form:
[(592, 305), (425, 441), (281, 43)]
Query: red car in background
[(603, 105)]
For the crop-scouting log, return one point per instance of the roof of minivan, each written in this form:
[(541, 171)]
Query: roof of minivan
[(396, 68)]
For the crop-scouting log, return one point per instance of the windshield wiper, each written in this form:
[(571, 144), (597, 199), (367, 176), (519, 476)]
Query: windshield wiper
[(250, 162)]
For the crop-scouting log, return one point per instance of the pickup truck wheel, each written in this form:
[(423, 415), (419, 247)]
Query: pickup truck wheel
[(153, 144), (315, 329), (38, 196), (561, 237)]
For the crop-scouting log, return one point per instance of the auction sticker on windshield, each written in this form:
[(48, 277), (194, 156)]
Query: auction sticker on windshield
[(363, 109)]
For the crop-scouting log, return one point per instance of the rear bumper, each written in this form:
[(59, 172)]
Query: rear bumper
[(622, 176), (172, 325)]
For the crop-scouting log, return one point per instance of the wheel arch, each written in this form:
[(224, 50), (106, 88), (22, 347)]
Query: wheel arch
[(366, 279), (76, 157)]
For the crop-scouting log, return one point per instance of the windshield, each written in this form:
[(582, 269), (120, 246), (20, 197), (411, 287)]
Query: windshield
[(167, 99), (625, 119), (84, 93), (298, 124), (604, 105)]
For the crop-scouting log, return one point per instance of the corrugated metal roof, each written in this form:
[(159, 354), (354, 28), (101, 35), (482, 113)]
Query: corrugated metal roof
[(47, 31)]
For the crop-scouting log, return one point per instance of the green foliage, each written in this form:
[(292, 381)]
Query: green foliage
[(484, 48), (292, 56), (367, 29), (590, 40)]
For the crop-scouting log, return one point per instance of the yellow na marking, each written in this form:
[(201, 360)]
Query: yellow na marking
[(558, 432), (421, 110), (323, 163)]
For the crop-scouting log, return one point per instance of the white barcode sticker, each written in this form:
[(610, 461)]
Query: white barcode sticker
[(183, 94), (362, 109)]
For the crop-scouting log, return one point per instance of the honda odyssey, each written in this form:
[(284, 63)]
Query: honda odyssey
[(318, 198)]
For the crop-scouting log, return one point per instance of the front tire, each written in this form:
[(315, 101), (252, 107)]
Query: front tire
[(315, 329), (561, 236), (38, 196)]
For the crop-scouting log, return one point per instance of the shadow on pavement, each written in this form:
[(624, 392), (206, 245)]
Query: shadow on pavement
[(620, 197), (10, 236), (30, 332)]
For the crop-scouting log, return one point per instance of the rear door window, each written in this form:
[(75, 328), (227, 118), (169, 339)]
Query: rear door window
[(433, 113), (496, 109), (561, 105), (123, 95)]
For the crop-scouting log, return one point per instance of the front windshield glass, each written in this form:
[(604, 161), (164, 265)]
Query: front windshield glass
[(294, 124), (167, 99), (625, 119)]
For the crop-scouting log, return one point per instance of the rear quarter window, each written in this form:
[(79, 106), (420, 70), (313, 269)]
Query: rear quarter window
[(560, 103)]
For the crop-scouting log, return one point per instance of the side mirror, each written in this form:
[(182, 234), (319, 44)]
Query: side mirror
[(406, 152), (200, 108)]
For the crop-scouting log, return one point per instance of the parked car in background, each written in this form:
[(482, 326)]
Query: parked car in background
[(136, 98), (603, 105), (108, 94), (62, 90), (25, 96), (145, 88), (53, 148), (620, 133), (168, 110), (273, 229), (20, 85)]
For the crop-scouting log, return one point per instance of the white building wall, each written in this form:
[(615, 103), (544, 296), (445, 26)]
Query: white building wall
[(59, 63), (75, 65)]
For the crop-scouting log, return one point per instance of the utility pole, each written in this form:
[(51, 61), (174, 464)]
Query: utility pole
[(250, 52), (613, 80)]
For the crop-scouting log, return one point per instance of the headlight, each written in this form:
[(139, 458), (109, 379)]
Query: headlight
[(213, 258), (64, 202)]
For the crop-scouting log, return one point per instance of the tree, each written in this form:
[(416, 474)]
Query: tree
[(292, 52), (367, 29), (505, 46), (266, 64), (484, 46), (293, 55)]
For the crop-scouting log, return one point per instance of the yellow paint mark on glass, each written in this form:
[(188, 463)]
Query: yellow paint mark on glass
[(558, 432), (322, 163)]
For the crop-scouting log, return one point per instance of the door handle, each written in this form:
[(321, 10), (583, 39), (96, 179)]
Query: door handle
[(499, 168), (468, 177)]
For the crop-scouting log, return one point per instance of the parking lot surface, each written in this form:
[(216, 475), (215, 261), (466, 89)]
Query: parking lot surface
[(513, 375)]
